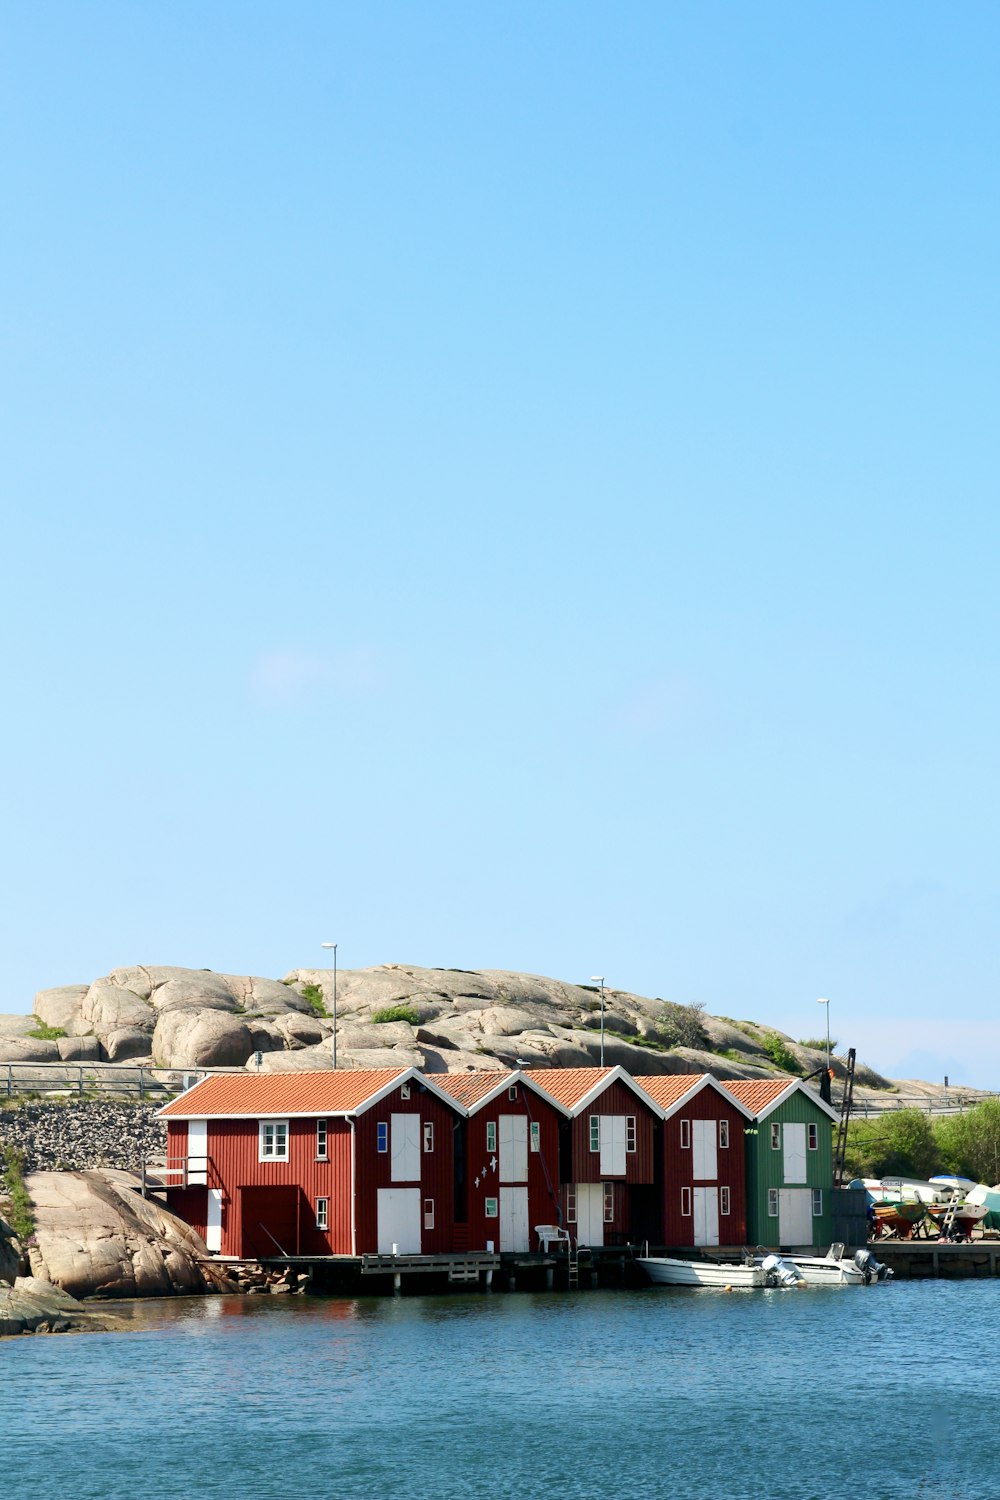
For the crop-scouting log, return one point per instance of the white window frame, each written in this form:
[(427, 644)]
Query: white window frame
[(428, 1213), (772, 1203), (630, 1133), (322, 1132), (493, 1208), (812, 1137), (775, 1135), (725, 1201), (512, 1091), (382, 1137), (571, 1205), (428, 1136), (685, 1135), (322, 1213), (268, 1132), (491, 1136), (609, 1202), (534, 1136), (817, 1203), (723, 1135), (404, 1091), (595, 1133), (685, 1203)]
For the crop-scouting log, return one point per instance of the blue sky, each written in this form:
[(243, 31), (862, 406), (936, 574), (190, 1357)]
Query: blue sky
[(506, 486)]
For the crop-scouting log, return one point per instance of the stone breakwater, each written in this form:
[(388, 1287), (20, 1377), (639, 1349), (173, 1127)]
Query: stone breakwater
[(84, 1136)]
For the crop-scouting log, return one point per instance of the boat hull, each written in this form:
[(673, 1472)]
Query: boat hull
[(664, 1271)]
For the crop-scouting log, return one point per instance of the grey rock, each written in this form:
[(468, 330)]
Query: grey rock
[(457, 1061), (381, 1057), (304, 1060), (82, 1048), (613, 1021), (187, 1038), (195, 991), (60, 1007), (126, 1044), (299, 1031), (108, 1007), (27, 1049), (17, 1026), (265, 997)]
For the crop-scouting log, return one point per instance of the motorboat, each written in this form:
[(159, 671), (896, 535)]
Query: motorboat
[(666, 1271), (832, 1269)]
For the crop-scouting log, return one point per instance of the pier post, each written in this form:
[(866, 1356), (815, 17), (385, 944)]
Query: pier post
[(512, 1282), (397, 1283), (489, 1279), (550, 1278)]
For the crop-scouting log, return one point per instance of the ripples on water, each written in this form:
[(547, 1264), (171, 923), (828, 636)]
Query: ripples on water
[(815, 1394)]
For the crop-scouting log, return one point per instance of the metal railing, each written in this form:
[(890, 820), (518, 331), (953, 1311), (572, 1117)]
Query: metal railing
[(83, 1080)]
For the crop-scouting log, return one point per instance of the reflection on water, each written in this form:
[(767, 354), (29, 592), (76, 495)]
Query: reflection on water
[(799, 1395)]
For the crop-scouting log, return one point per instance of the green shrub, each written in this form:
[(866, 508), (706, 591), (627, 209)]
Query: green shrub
[(682, 1026), (314, 995), (970, 1142), (396, 1013), (44, 1033), (21, 1216), (896, 1143), (820, 1045), (779, 1054)]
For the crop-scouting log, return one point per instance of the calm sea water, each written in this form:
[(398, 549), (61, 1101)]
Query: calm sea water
[(814, 1394)]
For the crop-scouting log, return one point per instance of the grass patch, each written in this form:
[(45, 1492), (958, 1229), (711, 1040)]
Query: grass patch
[(396, 1013), (779, 1054), (636, 1041), (820, 1044), (44, 1033), (731, 1055), (313, 995), (21, 1216)]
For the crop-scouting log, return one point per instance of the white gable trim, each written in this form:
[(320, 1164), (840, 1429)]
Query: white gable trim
[(796, 1086), (706, 1081), (507, 1080)]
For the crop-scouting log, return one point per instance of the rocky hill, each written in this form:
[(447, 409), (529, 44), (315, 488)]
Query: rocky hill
[(435, 1019)]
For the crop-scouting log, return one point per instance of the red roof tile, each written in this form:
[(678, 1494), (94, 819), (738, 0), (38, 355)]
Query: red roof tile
[(469, 1088), (667, 1088), (568, 1085), (757, 1093), (330, 1092)]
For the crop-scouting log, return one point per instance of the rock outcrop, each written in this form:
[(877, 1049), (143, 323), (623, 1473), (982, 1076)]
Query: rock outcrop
[(31, 1305), (95, 1236)]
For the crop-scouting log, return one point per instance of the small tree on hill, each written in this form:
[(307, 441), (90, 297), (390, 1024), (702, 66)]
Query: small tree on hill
[(970, 1142), (899, 1143)]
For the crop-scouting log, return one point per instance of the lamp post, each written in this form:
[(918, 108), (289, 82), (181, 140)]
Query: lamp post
[(599, 979), (827, 1004), (334, 947)]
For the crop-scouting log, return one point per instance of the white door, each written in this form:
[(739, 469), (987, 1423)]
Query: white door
[(213, 1231), (589, 1213), (197, 1152), (513, 1151), (613, 1145), (704, 1149), (795, 1215), (514, 1218), (794, 1137), (405, 1148), (399, 1219), (706, 1215)]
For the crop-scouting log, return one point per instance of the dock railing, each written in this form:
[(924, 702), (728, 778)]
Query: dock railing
[(94, 1079)]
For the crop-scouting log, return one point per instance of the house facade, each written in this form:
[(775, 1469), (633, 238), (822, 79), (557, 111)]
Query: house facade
[(323, 1163), (701, 1166), (789, 1162), (508, 1178), (607, 1158)]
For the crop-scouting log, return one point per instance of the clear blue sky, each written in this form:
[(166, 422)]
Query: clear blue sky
[(508, 486)]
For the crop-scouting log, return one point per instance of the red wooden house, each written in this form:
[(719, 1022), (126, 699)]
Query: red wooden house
[(510, 1177), (703, 1168), (324, 1163), (607, 1153)]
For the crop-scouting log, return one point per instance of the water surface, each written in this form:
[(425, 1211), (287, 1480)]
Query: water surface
[(811, 1394)]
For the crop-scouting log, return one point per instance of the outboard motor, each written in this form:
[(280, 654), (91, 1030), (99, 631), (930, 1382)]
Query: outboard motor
[(873, 1269), (781, 1272)]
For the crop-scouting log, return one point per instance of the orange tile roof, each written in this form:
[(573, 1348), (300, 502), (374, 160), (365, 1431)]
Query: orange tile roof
[(469, 1088), (667, 1088), (329, 1092), (756, 1093), (568, 1085)]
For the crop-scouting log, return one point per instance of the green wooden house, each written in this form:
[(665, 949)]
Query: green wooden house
[(789, 1162)]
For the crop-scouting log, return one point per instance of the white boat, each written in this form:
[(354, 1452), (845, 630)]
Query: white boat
[(668, 1272), (821, 1270)]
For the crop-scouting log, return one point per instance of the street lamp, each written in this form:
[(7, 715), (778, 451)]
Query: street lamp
[(599, 979), (827, 1004), (334, 947)]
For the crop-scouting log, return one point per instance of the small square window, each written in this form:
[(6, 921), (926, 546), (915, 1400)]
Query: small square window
[(813, 1137), (322, 1213), (404, 1091), (724, 1201), (535, 1135), (428, 1135), (428, 1213), (609, 1203), (595, 1132), (775, 1136), (382, 1135), (492, 1208), (685, 1202), (817, 1202), (685, 1135), (723, 1134), (491, 1135), (512, 1091), (630, 1132), (321, 1140), (772, 1203)]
